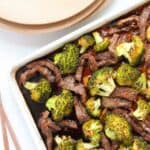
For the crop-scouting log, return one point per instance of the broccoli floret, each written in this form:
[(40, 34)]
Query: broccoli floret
[(123, 147), (143, 109), (141, 83), (117, 128), (64, 143), (148, 34), (85, 42), (132, 51), (101, 83), (92, 131), (93, 106), (68, 59), (61, 105), (140, 144), (127, 75), (146, 91), (84, 146), (39, 91), (101, 44)]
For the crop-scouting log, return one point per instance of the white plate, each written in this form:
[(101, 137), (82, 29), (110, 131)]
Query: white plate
[(49, 49), (41, 11)]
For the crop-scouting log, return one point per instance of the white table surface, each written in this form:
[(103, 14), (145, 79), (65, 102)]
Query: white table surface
[(14, 46)]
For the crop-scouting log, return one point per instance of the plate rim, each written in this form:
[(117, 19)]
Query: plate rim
[(48, 22), (100, 4)]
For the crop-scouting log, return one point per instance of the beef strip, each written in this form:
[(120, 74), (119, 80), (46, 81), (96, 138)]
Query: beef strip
[(145, 126), (147, 59), (143, 21), (115, 145), (124, 37), (45, 121), (109, 31), (137, 126), (47, 127), (105, 59), (44, 67), (90, 59), (134, 19), (80, 111), (105, 142), (112, 103), (37, 69), (109, 57), (147, 121), (114, 43), (48, 64), (125, 93), (68, 124), (141, 130), (69, 83)]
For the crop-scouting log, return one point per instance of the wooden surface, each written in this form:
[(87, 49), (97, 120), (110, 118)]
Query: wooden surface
[(56, 25)]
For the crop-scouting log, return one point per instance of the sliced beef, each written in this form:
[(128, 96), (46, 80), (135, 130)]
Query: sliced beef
[(115, 145), (125, 93), (114, 43), (105, 59), (80, 111), (69, 83), (45, 121), (48, 64), (109, 31), (140, 129), (138, 126), (144, 17), (25, 76), (105, 142), (112, 103), (88, 59), (124, 37), (147, 59), (47, 127), (131, 20), (68, 124)]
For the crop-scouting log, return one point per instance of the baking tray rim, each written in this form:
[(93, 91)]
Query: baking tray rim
[(47, 49)]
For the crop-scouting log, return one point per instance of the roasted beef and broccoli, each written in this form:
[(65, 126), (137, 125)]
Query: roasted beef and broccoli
[(94, 92)]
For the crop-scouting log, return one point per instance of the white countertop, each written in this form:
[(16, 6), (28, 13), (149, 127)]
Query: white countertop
[(14, 46)]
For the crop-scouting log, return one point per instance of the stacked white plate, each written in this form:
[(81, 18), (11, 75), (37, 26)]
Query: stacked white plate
[(45, 15)]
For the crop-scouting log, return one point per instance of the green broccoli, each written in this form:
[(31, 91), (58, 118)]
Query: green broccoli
[(143, 109), (92, 131), (84, 146), (61, 105), (132, 51), (85, 42), (39, 91), (64, 143), (101, 83), (117, 128), (141, 83), (140, 144), (123, 147), (127, 75), (146, 91), (101, 44), (148, 34), (68, 59), (93, 106)]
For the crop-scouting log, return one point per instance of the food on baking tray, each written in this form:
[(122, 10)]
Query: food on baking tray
[(94, 93), (40, 91)]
